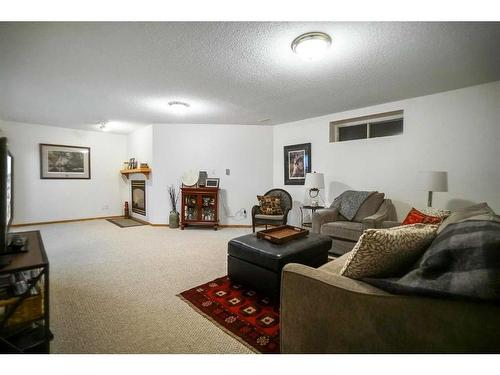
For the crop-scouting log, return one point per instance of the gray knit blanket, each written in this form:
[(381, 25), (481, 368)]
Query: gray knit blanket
[(349, 202), (463, 262)]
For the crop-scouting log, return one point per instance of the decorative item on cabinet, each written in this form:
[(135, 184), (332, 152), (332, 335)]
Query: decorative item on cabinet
[(189, 178), (202, 178), (212, 182)]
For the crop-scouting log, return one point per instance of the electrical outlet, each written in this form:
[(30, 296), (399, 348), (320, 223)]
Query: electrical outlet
[(244, 213), (228, 171), (105, 207)]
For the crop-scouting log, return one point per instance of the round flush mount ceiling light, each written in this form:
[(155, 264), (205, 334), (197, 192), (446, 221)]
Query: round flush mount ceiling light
[(311, 46), (179, 108)]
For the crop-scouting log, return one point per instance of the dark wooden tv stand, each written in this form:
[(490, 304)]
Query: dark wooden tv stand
[(25, 321)]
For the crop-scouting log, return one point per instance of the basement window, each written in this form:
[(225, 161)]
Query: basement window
[(373, 126), (349, 133)]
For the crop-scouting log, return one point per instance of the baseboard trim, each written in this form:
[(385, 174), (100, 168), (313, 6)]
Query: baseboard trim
[(235, 226), (66, 221)]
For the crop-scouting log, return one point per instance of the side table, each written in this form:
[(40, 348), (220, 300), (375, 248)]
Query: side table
[(302, 209)]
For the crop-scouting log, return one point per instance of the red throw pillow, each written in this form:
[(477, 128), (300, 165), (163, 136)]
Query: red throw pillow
[(415, 216)]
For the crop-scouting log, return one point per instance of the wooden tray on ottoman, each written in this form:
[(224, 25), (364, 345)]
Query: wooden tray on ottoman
[(282, 234)]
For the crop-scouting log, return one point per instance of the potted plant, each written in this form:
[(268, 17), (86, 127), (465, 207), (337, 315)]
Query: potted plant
[(173, 219)]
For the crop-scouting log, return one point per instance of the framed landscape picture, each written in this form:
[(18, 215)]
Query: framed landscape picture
[(64, 162), (297, 163)]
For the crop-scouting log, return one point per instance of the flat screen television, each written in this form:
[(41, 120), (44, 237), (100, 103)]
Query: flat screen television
[(6, 194)]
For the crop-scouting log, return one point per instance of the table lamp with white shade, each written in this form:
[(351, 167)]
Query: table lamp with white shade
[(314, 181), (431, 181)]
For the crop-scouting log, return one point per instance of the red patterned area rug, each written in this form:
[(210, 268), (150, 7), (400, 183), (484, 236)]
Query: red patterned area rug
[(243, 313)]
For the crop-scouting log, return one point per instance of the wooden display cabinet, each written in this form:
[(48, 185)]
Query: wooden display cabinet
[(199, 206)]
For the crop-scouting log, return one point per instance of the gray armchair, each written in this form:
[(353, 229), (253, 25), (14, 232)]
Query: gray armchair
[(371, 214), (286, 206)]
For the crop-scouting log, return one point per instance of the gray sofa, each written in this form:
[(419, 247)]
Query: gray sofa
[(371, 214), (324, 312)]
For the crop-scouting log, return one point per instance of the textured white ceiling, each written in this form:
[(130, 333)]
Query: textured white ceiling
[(78, 74)]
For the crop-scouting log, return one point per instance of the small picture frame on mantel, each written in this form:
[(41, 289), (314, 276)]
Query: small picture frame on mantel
[(212, 182)]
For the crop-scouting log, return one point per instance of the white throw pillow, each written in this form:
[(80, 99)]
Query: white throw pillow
[(385, 252)]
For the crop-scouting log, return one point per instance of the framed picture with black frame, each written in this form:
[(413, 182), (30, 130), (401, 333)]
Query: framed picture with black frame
[(64, 162), (297, 162)]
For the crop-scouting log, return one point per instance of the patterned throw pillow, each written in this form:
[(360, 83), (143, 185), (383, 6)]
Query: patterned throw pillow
[(386, 252), (438, 212), (270, 205), (415, 216)]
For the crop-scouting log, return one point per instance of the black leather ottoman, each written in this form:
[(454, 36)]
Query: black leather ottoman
[(258, 263)]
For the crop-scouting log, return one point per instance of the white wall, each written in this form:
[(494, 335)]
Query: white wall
[(245, 150), (456, 131), (37, 200), (140, 147)]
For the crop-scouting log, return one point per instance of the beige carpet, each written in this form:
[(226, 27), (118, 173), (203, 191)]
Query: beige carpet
[(113, 290)]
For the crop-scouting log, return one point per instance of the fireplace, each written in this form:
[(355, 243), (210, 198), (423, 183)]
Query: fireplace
[(139, 197)]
